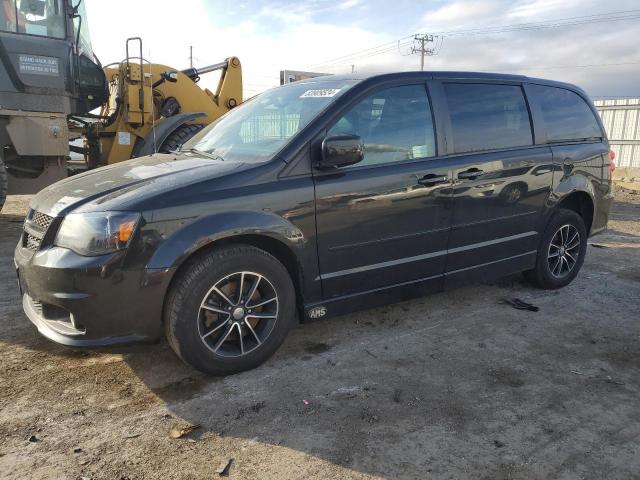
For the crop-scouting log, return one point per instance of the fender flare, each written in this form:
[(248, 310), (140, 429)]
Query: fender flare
[(203, 231), (568, 186), (163, 129), (573, 184)]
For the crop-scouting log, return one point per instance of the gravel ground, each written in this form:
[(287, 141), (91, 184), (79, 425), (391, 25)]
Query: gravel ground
[(455, 385)]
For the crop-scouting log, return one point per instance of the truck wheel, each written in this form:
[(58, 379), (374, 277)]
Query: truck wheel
[(561, 252), (4, 183), (178, 137), (229, 309)]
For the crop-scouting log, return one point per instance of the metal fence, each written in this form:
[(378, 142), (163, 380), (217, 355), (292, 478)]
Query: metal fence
[(621, 118)]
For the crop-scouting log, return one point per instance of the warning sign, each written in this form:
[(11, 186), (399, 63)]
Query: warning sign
[(39, 65)]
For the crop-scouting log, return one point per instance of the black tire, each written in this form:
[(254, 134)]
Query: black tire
[(179, 137), (186, 318), (513, 193), (4, 183), (546, 274)]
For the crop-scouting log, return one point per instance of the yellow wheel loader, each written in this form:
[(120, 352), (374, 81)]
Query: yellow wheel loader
[(51, 82), (153, 108)]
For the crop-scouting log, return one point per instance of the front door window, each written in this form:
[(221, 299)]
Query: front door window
[(395, 125)]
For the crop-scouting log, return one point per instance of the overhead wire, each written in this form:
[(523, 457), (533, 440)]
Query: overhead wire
[(622, 15)]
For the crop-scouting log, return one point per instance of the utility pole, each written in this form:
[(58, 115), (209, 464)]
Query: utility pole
[(420, 47), (191, 56)]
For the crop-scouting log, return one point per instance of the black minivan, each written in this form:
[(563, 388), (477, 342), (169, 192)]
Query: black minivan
[(314, 199)]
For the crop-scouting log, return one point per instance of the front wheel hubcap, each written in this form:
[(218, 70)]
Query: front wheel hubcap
[(564, 251), (238, 314)]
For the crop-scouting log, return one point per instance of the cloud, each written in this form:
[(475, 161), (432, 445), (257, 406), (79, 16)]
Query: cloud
[(602, 57), (347, 4), (532, 10), (304, 35), (461, 12)]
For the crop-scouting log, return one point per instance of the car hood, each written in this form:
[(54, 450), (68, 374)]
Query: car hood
[(138, 176)]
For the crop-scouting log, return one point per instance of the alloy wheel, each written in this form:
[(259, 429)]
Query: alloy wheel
[(238, 314), (564, 251)]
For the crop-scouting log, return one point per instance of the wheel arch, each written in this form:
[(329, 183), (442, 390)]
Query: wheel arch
[(582, 203), (574, 191), (275, 247), (283, 241)]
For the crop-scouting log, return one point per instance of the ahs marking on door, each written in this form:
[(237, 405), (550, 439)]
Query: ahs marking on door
[(317, 312)]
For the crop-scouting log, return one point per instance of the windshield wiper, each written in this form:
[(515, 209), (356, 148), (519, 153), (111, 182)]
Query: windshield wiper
[(210, 155)]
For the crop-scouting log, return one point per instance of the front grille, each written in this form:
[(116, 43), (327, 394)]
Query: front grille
[(35, 228), (41, 219), (31, 241)]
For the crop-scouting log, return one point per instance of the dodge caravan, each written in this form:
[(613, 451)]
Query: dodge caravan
[(315, 199)]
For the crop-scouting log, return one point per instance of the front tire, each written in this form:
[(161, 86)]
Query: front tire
[(561, 252), (230, 309)]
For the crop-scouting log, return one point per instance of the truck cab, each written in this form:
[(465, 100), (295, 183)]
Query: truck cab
[(47, 72)]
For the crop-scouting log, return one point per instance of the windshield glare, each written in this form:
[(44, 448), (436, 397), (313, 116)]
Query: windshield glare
[(34, 17), (259, 128)]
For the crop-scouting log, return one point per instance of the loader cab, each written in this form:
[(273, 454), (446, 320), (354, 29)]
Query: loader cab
[(91, 79), (46, 60), (47, 72)]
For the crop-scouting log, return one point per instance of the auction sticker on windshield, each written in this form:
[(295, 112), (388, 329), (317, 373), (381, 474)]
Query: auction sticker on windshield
[(320, 92)]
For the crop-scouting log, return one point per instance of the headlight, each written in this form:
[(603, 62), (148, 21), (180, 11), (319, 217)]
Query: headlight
[(92, 234)]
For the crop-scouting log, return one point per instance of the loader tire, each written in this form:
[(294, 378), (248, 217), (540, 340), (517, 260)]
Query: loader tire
[(178, 137), (4, 183)]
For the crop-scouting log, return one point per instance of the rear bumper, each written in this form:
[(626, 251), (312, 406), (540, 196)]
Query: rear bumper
[(90, 301), (601, 214)]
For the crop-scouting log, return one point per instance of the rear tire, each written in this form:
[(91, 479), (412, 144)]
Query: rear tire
[(215, 296), (4, 183), (179, 137), (561, 252)]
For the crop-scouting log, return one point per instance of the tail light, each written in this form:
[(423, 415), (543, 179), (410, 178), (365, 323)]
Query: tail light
[(612, 161)]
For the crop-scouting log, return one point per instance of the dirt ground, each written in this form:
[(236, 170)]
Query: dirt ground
[(455, 385)]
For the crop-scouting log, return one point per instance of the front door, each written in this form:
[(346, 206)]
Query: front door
[(384, 221), (500, 181)]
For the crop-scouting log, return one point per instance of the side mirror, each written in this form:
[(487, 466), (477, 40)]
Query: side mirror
[(341, 151)]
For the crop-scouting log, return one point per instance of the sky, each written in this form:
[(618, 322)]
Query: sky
[(340, 36)]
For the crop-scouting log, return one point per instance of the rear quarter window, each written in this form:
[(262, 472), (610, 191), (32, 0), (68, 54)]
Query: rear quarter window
[(566, 114), (487, 116)]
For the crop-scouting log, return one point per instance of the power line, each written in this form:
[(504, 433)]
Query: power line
[(385, 46), (557, 23), (562, 22), (591, 65), (349, 61)]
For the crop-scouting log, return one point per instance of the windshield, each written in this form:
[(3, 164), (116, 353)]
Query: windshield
[(259, 128), (84, 39), (34, 17)]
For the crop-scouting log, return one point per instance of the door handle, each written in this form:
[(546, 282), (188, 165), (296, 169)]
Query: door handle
[(433, 179), (470, 174)]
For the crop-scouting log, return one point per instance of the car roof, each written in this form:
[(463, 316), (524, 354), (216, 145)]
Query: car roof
[(442, 75)]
